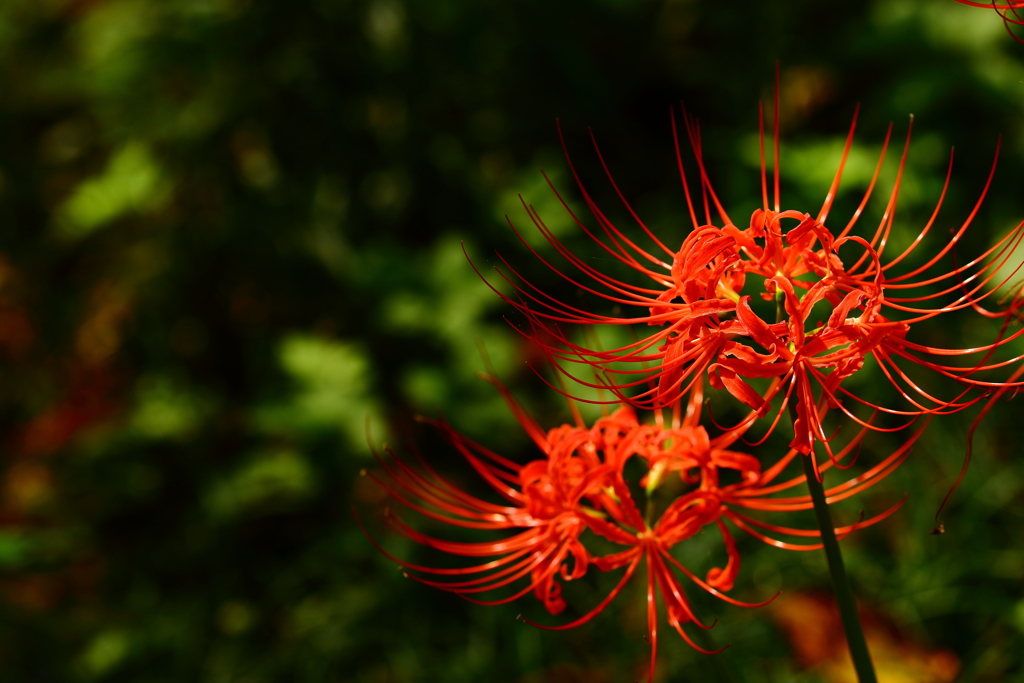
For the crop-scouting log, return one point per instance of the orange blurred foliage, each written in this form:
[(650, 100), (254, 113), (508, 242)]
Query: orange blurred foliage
[(812, 627)]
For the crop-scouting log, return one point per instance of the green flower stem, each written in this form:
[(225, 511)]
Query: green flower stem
[(840, 583), (836, 569)]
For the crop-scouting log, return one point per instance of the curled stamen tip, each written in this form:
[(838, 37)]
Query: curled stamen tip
[(519, 617), (940, 529), (404, 573)]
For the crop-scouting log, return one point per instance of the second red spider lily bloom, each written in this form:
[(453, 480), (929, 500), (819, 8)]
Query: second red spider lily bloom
[(705, 324), (550, 502)]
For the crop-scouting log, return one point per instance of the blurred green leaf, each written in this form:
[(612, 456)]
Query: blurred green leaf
[(131, 182), (266, 482)]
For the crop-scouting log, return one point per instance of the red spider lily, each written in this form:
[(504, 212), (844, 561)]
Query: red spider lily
[(707, 325), (1004, 10), (579, 486)]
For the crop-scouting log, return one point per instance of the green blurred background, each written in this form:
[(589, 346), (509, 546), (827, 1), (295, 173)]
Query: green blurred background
[(231, 233)]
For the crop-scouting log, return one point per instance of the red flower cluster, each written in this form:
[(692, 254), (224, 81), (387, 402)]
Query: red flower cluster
[(577, 490), (838, 299)]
